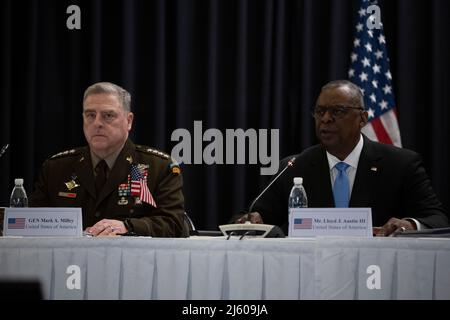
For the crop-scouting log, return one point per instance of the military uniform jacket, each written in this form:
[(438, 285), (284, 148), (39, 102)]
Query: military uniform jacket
[(67, 180)]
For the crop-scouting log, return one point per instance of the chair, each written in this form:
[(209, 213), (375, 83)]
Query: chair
[(202, 233)]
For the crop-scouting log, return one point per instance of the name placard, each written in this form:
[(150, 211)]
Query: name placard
[(312, 222), (54, 222)]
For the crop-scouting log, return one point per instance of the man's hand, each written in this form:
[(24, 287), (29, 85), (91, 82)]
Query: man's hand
[(255, 217), (107, 227), (394, 225)]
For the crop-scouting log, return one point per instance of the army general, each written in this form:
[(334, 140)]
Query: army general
[(121, 187)]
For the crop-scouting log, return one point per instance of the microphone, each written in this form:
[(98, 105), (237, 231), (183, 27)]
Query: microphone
[(289, 164), (4, 149), (261, 230)]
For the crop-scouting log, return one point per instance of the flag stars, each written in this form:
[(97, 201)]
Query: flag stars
[(379, 54), (363, 76), (387, 89), (368, 47), (354, 57), (362, 12), (388, 75), (366, 62), (382, 39), (351, 73), (371, 113), (359, 27), (356, 42), (375, 84), (370, 33), (376, 68), (383, 104), (373, 98)]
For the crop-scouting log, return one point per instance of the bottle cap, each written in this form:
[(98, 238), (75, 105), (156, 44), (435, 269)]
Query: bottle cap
[(18, 181), (298, 180)]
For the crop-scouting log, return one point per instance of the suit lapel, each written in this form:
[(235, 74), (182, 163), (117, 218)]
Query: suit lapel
[(119, 172), (320, 173), (84, 172), (366, 176)]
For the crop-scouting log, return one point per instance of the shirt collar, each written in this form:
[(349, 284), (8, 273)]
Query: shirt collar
[(352, 159), (110, 160)]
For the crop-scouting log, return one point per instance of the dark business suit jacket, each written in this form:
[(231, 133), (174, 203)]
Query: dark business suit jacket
[(390, 180), (164, 182)]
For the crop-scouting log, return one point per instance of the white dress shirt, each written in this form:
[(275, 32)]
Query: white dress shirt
[(352, 160)]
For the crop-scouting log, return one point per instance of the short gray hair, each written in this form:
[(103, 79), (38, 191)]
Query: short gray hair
[(355, 92), (108, 87)]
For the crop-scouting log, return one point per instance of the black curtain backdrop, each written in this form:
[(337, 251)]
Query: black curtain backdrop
[(230, 64)]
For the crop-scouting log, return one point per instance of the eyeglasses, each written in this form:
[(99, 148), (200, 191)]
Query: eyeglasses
[(337, 111), (108, 116)]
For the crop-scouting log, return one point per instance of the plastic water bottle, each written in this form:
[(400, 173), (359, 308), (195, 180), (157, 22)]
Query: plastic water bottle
[(297, 197), (18, 195)]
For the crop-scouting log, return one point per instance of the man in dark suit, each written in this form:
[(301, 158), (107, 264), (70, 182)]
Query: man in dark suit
[(390, 180), (121, 187)]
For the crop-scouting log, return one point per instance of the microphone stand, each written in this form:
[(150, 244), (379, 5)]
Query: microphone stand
[(248, 228), (289, 164)]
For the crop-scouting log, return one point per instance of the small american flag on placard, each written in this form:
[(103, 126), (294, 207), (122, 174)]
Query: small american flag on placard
[(16, 223), (303, 223), (139, 186)]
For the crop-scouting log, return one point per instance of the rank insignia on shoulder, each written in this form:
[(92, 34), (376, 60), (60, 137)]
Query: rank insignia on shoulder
[(64, 153), (153, 151)]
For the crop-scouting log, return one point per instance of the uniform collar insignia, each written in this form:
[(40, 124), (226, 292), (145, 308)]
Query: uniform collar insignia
[(130, 159), (72, 184)]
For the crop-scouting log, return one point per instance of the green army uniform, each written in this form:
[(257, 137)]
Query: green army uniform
[(67, 180)]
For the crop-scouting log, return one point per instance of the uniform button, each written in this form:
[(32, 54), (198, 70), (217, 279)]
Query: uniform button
[(97, 214), (131, 210)]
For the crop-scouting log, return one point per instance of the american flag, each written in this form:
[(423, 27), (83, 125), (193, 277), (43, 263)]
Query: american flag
[(303, 223), (139, 186), (369, 69), (16, 223)]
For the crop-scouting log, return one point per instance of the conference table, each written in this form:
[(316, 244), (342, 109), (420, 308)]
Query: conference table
[(204, 268)]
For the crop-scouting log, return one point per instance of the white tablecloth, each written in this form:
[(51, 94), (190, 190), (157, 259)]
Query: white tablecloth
[(214, 268)]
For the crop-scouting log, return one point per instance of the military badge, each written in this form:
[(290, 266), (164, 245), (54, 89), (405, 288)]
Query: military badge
[(124, 190), (122, 202), (72, 184), (67, 195), (175, 167)]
